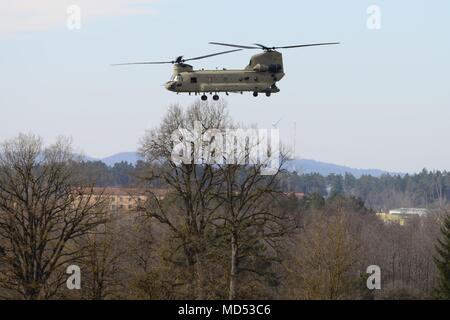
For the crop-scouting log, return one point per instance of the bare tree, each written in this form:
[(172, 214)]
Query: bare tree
[(102, 261), (325, 258), (43, 211), (191, 205), (251, 219)]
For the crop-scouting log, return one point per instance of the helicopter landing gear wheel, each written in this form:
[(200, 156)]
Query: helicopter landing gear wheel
[(204, 97), (215, 97), (268, 94), (255, 94)]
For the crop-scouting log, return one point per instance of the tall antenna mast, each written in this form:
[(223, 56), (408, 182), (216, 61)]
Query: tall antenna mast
[(295, 140)]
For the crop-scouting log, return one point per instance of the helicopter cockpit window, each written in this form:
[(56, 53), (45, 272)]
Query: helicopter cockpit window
[(179, 78), (275, 68)]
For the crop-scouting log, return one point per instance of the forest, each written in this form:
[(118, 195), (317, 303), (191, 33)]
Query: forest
[(222, 231)]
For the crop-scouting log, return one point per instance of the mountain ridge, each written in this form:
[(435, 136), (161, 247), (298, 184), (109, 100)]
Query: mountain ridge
[(303, 166), (309, 166)]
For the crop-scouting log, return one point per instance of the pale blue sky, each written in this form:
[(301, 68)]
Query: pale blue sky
[(379, 100)]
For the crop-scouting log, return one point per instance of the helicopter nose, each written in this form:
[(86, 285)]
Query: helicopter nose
[(170, 85)]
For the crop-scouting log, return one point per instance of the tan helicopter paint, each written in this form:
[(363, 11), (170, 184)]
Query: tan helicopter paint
[(261, 75)]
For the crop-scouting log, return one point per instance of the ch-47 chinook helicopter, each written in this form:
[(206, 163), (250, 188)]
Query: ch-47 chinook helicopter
[(260, 76)]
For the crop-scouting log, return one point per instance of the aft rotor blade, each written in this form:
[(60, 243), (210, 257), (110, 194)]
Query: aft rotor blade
[(307, 45), (212, 55), (233, 45), (141, 63)]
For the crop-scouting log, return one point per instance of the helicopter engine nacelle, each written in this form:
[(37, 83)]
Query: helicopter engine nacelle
[(181, 67), (260, 68)]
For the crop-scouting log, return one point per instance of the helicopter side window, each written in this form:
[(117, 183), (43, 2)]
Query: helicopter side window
[(193, 80)]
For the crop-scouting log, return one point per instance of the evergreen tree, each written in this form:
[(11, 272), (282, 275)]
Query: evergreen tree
[(443, 262)]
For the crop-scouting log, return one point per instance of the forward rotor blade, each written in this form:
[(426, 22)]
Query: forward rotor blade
[(211, 55), (233, 45), (141, 63), (307, 45), (261, 46)]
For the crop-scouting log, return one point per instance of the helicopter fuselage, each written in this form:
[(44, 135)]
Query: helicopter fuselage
[(261, 75)]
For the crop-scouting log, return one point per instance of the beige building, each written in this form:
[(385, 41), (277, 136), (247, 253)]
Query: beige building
[(402, 215), (126, 199)]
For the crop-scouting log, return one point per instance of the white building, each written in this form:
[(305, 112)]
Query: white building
[(409, 212)]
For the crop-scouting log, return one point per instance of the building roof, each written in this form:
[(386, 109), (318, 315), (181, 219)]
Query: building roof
[(129, 191)]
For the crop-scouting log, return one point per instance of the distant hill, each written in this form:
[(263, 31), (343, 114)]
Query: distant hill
[(304, 166), (129, 157)]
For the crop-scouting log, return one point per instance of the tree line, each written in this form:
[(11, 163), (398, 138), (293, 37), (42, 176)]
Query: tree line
[(427, 189)]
